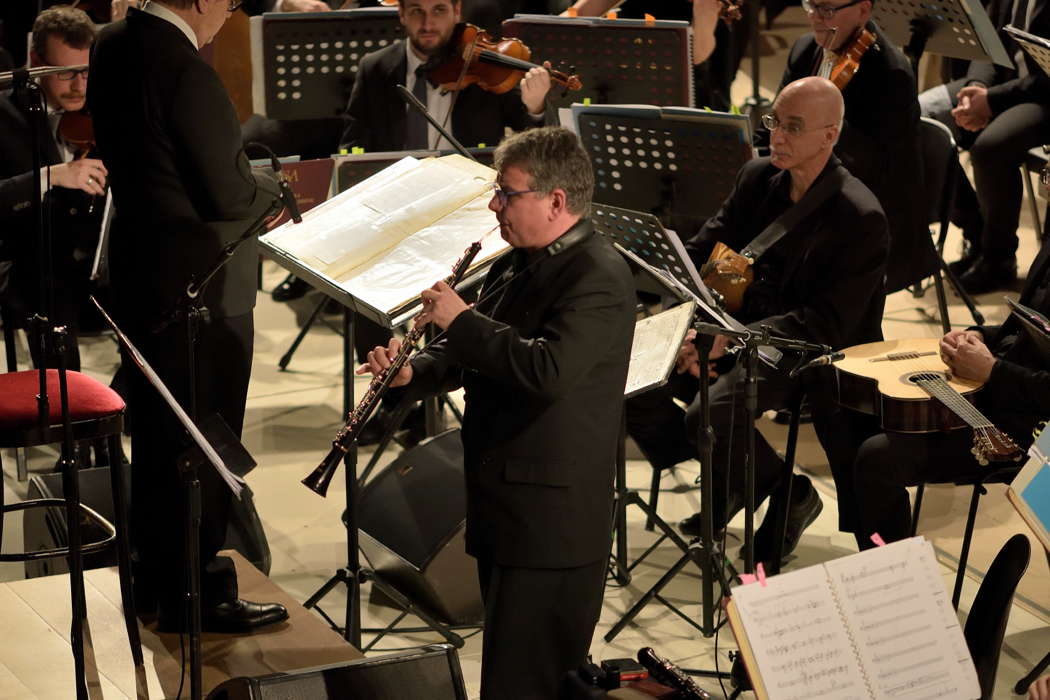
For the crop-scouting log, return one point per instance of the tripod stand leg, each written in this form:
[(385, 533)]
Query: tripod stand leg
[(623, 571), (287, 357), (978, 317), (407, 605), (648, 596)]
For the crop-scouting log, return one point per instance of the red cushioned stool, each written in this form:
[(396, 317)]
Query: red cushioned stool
[(95, 412)]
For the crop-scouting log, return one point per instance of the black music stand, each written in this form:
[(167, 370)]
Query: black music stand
[(619, 61), (945, 27), (304, 63), (1035, 46), (677, 163)]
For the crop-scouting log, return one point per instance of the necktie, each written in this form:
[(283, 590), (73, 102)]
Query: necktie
[(416, 127)]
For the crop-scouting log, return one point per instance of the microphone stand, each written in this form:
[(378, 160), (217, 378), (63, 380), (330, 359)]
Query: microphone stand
[(415, 104), (189, 307), (50, 338)]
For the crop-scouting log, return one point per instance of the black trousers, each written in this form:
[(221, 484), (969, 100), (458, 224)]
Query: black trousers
[(665, 432), (223, 362), (888, 462), (538, 627), (990, 216)]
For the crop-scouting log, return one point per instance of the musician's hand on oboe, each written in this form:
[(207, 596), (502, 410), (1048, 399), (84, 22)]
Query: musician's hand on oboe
[(380, 358), (441, 305)]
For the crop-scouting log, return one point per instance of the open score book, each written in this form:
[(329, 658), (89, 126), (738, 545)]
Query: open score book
[(877, 624)]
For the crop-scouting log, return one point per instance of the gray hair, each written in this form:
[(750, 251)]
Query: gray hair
[(554, 159)]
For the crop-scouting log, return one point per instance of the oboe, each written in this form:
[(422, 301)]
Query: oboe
[(321, 477)]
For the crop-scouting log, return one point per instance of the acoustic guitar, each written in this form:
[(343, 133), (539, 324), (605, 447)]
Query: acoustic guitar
[(906, 384)]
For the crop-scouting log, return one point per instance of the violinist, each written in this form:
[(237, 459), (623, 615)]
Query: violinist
[(61, 36), (880, 136), (378, 119)]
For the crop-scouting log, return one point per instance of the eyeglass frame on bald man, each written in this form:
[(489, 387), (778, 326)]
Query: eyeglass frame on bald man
[(826, 11), (772, 122)]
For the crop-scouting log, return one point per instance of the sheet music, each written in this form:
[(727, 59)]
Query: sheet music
[(903, 624), (100, 265), (377, 214), (655, 347), (798, 638)]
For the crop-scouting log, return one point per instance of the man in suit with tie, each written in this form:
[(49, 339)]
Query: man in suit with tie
[(543, 359), (61, 36), (183, 190), (377, 118)]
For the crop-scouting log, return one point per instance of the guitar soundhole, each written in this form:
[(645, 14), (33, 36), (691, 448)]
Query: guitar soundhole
[(917, 377)]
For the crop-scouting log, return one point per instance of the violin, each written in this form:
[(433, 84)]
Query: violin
[(474, 57), (849, 62), (77, 130)]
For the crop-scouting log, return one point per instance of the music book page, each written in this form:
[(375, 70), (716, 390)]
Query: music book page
[(655, 347), (877, 624)]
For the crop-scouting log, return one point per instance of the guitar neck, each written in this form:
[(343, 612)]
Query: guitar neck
[(955, 402)]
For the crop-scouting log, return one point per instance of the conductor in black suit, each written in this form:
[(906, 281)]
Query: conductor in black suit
[(879, 143), (543, 360), (377, 118), (183, 189)]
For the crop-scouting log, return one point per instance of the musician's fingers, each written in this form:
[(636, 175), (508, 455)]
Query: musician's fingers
[(393, 348), (366, 368)]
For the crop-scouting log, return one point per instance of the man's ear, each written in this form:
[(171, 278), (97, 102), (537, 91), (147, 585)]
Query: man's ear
[(35, 59), (559, 202)]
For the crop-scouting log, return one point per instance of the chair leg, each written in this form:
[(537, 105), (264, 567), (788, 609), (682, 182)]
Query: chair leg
[(1032, 204), (120, 522), (964, 555), (780, 501), (71, 487), (1037, 670), (916, 509), (654, 497)]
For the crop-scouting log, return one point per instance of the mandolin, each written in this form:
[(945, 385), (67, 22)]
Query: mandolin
[(906, 384)]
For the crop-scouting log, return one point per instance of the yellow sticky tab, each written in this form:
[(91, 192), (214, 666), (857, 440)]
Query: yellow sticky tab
[(357, 150), (481, 145), (342, 151), (586, 100), (734, 109)]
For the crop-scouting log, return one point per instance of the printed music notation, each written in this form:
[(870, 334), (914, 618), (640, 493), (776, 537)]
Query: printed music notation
[(872, 625)]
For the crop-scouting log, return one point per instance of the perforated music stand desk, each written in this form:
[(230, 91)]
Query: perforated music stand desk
[(674, 162), (304, 63), (953, 28), (619, 61), (1035, 46)]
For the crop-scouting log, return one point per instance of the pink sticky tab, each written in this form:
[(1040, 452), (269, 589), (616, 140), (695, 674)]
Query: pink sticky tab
[(747, 578), (760, 570), (877, 540)]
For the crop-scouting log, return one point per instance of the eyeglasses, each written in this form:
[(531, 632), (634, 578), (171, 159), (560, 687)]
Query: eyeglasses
[(826, 11), (234, 5), (503, 196), (772, 122), (1044, 176), (68, 75)]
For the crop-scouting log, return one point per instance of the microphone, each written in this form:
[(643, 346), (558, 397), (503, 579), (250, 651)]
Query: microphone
[(818, 361), (287, 196)]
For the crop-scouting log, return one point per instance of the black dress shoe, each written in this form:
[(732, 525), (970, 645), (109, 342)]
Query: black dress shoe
[(233, 617), (291, 288), (986, 276), (805, 507), (969, 256)]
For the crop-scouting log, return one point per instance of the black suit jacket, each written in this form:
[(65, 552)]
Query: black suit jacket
[(879, 144), (831, 289), (74, 229), (543, 364), (182, 186), (376, 119), (1017, 394)]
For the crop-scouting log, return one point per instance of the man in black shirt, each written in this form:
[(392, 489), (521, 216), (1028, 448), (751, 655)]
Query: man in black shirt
[(821, 282)]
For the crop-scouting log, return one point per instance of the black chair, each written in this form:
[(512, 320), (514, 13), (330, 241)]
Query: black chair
[(1037, 670), (940, 170), (986, 623), (1002, 475), (1034, 163)]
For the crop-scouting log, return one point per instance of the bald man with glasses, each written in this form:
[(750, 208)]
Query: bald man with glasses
[(879, 143)]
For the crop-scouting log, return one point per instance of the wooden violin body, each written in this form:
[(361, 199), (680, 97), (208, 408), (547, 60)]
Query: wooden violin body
[(849, 63), (905, 384), (475, 58), (729, 273)]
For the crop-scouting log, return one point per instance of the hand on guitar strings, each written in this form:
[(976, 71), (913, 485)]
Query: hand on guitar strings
[(380, 358), (967, 356)]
